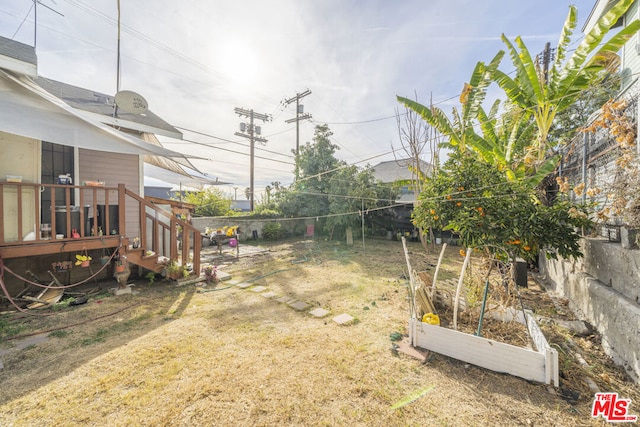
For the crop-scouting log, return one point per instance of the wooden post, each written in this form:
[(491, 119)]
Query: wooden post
[(412, 297), (456, 302), (435, 274), (121, 210)]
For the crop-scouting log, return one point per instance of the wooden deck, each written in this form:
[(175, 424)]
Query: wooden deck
[(158, 230)]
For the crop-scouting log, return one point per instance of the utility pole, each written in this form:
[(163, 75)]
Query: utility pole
[(299, 116), (251, 135), (546, 59), (547, 56)]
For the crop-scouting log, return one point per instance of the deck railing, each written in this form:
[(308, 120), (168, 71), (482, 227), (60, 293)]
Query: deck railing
[(98, 212)]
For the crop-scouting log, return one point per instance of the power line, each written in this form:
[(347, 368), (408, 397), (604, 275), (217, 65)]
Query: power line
[(235, 152), (234, 142), (23, 21)]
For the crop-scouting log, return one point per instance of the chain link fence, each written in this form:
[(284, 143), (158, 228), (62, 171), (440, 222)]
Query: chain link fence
[(589, 164)]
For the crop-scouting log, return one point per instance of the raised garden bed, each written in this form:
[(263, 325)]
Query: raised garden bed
[(539, 364)]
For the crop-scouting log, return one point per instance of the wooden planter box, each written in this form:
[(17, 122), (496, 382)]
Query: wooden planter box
[(539, 365)]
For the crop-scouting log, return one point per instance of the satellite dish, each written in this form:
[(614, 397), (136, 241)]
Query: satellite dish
[(131, 102)]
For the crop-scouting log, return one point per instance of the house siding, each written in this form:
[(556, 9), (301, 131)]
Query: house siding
[(19, 156), (630, 56), (112, 169)]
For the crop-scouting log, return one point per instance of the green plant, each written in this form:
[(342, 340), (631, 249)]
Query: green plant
[(59, 334), (175, 270), (62, 304), (476, 201), (151, 276), (209, 202), (8, 329), (82, 258), (272, 231), (99, 336), (571, 72)]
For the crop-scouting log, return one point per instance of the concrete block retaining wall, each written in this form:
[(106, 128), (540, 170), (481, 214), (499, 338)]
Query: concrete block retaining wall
[(602, 288), (247, 226)]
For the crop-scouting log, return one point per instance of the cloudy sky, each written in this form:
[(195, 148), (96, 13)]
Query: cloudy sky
[(195, 61)]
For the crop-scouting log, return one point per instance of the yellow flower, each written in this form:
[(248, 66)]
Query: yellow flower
[(462, 252)]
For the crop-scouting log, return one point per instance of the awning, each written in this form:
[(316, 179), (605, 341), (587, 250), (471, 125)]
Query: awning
[(155, 176), (162, 162), (28, 110)]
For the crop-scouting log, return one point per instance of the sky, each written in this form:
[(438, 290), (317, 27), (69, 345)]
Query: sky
[(194, 61)]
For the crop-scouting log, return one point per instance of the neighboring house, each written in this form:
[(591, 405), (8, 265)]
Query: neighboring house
[(398, 175), (630, 52), (399, 172), (71, 167)]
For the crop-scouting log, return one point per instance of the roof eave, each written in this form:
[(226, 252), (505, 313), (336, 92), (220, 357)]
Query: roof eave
[(599, 8), (128, 124), (18, 66)]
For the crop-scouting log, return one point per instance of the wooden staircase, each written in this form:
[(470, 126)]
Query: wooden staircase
[(161, 232), (150, 262)]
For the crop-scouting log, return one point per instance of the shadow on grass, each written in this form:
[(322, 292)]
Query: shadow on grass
[(78, 334)]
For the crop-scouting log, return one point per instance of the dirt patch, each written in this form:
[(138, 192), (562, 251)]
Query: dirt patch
[(196, 355)]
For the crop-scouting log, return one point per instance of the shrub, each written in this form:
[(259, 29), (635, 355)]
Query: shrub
[(272, 231)]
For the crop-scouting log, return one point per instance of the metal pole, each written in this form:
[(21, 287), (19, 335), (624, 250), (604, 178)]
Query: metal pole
[(585, 150), (252, 150), (362, 201), (35, 23), (297, 135)]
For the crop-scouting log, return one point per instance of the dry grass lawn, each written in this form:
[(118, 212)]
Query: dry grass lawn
[(175, 356)]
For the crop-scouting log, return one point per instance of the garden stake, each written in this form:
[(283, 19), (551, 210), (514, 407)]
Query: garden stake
[(484, 302)]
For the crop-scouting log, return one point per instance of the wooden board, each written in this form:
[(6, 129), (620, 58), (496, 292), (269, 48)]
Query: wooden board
[(551, 354), (496, 356), (50, 296)]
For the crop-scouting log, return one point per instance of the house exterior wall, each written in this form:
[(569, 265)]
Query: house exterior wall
[(19, 156), (112, 169), (630, 56)]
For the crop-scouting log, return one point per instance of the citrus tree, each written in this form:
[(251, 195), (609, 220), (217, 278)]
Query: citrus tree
[(486, 210)]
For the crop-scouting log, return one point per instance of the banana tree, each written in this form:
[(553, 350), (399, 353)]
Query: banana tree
[(503, 144), (567, 78), (502, 138), (459, 131)]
